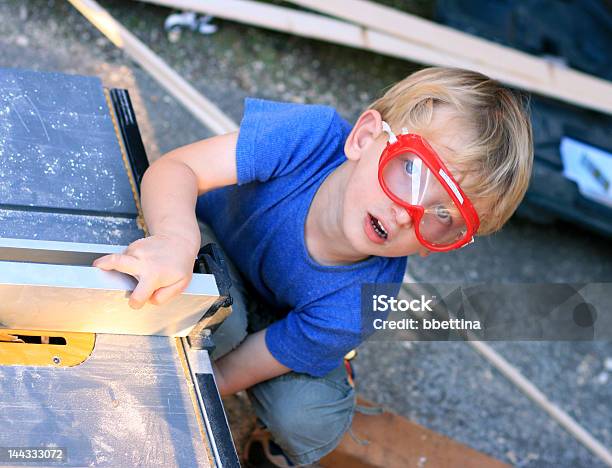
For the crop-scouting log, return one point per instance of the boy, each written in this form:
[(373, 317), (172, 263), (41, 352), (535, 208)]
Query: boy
[(309, 209)]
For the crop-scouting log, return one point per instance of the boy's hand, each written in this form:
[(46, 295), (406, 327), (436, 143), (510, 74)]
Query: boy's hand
[(162, 264)]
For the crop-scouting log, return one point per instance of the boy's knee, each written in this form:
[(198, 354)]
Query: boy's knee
[(319, 422), (306, 416)]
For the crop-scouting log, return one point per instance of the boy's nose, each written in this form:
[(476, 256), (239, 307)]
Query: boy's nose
[(402, 217)]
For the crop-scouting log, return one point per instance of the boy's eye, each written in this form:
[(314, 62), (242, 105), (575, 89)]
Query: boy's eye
[(408, 166), (443, 215)]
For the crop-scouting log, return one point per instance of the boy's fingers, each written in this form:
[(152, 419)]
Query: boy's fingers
[(141, 294), (163, 295), (119, 262)]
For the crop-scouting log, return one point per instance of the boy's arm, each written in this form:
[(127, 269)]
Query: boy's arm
[(247, 365), (171, 185), (163, 262)]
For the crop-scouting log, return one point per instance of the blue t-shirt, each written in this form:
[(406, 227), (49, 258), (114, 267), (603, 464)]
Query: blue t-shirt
[(284, 153)]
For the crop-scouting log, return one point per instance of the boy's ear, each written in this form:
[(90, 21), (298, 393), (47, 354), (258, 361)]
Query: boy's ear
[(367, 129)]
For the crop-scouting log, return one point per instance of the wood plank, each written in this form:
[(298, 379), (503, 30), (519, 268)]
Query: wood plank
[(306, 24), (268, 16), (435, 36), (388, 440), (508, 65), (309, 25), (516, 69), (318, 27)]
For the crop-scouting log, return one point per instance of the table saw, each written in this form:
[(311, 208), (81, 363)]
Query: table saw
[(84, 380)]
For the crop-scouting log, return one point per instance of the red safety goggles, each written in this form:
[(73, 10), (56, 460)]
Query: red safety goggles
[(413, 176)]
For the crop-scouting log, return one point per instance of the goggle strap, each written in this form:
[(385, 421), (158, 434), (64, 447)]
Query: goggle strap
[(387, 129)]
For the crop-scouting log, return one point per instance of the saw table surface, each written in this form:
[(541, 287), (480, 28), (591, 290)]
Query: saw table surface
[(62, 174), (63, 178), (127, 405)]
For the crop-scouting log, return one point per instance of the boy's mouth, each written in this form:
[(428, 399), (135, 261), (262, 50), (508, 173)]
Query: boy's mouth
[(377, 229)]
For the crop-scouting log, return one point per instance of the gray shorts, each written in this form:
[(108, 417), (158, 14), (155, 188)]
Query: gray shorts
[(307, 416)]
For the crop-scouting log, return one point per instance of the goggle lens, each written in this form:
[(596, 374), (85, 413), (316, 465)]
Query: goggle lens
[(410, 179)]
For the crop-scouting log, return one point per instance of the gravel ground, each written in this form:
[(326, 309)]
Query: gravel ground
[(444, 386)]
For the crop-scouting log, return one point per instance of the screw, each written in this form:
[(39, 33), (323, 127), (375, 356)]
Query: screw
[(56, 360)]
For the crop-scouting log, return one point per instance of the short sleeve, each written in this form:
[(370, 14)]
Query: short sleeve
[(312, 341), (315, 338), (276, 138)]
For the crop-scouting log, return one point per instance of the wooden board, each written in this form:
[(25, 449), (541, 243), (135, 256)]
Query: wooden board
[(391, 32), (387, 440), (311, 25), (508, 65)]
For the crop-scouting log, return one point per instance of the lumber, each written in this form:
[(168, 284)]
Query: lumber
[(203, 109), (388, 440), (309, 25), (438, 37), (268, 16), (318, 27), (508, 65)]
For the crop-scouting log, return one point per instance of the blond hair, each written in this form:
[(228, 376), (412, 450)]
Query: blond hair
[(493, 164)]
